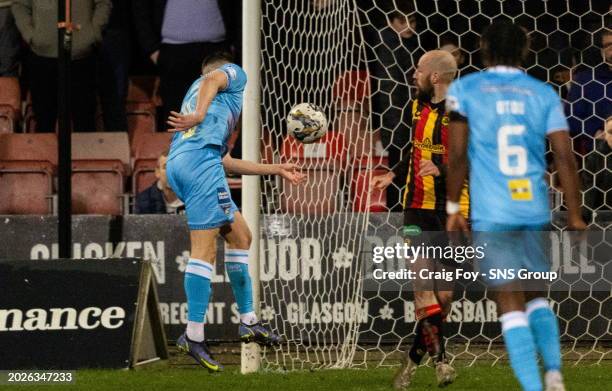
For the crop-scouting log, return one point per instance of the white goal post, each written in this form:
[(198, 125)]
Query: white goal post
[(251, 130)]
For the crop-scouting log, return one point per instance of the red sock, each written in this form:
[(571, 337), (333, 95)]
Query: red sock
[(429, 334)]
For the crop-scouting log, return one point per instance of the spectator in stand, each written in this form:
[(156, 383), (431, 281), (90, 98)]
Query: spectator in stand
[(390, 76), (177, 34), (9, 41), (597, 173), (560, 79), (113, 66), (159, 197), (589, 98), (37, 22)]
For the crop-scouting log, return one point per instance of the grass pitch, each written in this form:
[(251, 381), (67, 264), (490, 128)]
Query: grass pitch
[(478, 377)]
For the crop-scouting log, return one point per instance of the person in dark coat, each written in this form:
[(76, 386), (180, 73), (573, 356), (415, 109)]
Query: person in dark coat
[(589, 98), (391, 73), (37, 22), (159, 197), (597, 174)]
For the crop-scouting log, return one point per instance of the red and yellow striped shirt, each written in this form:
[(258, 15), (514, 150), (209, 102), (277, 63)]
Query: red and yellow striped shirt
[(429, 142)]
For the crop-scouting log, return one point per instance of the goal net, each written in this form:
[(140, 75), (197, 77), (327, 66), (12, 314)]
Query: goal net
[(354, 59)]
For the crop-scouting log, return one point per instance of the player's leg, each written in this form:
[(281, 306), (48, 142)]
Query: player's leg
[(428, 337), (445, 373), (197, 280), (186, 173), (545, 329), (238, 237), (542, 320), (197, 285), (504, 253), (428, 309), (432, 307), (443, 290), (429, 319), (519, 341), (435, 223), (445, 299), (429, 328)]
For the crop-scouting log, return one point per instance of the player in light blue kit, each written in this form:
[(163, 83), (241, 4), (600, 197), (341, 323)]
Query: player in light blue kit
[(500, 120), (197, 163)]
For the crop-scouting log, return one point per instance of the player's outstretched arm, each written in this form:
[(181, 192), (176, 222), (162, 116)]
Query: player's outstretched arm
[(456, 173), (210, 85), (288, 171), (568, 176)]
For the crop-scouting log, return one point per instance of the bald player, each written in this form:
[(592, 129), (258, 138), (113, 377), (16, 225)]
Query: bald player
[(424, 202)]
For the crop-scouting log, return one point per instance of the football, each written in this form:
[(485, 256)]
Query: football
[(306, 123)]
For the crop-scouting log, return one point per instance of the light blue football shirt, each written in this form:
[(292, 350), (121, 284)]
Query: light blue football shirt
[(221, 117), (509, 115)]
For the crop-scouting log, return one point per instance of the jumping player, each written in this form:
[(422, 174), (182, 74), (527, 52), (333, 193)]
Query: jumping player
[(196, 168), (500, 120), (424, 201)]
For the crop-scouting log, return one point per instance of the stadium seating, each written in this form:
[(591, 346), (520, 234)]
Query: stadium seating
[(353, 123), (143, 174), (150, 146), (98, 187), (324, 161), (142, 89), (10, 93), (330, 147), (26, 187), (320, 161), (353, 87), (319, 195), (141, 105), (140, 121), (8, 120), (21, 147), (100, 163), (267, 147), (10, 104), (29, 121), (146, 150), (351, 92), (360, 188), (101, 146), (27, 166)]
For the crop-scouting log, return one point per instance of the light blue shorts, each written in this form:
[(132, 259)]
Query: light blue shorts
[(198, 179), (511, 250)]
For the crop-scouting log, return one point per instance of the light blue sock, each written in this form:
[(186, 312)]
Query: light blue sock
[(545, 329), (521, 350), (197, 289), (237, 267)]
